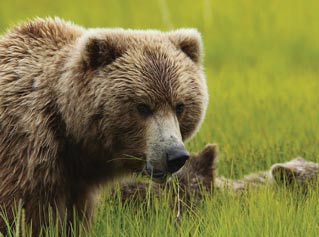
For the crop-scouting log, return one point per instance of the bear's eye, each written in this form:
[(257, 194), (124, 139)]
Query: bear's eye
[(179, 109), (144, 110)]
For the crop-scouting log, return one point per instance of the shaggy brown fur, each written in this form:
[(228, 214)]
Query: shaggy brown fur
[(68, 117)]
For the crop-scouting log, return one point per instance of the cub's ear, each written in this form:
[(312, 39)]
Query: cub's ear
[(98, 51), (209, 154), (189, 41), (282, 174), (206, 161)]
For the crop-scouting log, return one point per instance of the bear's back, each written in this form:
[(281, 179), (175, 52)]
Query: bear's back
[(35, 40)]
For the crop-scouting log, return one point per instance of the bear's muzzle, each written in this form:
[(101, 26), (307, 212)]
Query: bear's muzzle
[(175, 159)]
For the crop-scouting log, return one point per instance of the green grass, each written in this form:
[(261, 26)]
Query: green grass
[(262, 65)]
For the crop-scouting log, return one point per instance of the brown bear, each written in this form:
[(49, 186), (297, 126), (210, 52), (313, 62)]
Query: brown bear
[(186, 188), (200, 173), (296, 173), (82, 107), (193, 179)]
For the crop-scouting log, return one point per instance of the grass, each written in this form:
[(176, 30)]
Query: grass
[(262, 65)]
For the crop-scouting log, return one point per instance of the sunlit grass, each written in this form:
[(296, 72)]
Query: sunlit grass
[(262, 65)]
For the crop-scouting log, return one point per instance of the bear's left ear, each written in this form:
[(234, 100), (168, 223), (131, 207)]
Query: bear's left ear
[(99, 50), (189, 41)]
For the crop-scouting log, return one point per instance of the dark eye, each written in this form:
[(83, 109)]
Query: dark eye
[(179, 109), (144, 110)]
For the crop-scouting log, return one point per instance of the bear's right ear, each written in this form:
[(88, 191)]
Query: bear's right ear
[(189, 41), (98, 52), (206, 161)]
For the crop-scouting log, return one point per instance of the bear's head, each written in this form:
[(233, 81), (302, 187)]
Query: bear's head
[(199, 172), (297, 172), (142, 93)]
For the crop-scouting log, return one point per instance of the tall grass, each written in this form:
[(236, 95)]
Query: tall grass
[(262, 66)]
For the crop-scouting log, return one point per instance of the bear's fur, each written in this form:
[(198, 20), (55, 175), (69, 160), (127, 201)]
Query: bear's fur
[(81, 107)]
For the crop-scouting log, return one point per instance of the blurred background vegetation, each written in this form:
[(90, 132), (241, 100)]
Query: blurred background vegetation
[(241, 32)]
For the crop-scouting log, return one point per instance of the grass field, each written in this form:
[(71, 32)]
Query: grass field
[(262, 66)]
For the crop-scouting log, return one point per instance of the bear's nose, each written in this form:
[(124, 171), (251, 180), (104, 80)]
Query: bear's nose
[(176, 158)]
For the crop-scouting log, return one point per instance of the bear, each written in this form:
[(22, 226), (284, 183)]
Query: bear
[(184, 190), (81, 107), (297, 173), (193, 179), (200, 174)]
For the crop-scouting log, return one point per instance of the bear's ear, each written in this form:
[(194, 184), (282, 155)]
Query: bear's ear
[(189, 41), (206, 161), (98, 52), (282, 175)]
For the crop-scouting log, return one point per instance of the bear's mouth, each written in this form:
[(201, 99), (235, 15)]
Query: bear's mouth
[(156, 175)]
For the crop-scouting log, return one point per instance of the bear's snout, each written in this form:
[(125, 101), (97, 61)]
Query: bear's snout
[(166, 152), (176, 158)]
